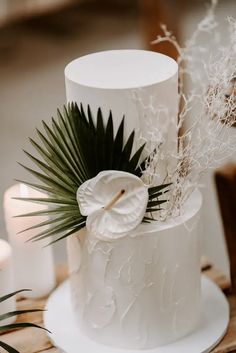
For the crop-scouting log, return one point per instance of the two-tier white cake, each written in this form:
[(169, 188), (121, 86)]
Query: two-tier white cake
[(142, 290)]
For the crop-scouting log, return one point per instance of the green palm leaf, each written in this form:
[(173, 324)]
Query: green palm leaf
[(5, 297), (8, 348), (75, 148), (9, 327)]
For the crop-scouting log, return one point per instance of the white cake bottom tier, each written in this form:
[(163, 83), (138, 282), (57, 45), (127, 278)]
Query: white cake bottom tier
[(139, 292)]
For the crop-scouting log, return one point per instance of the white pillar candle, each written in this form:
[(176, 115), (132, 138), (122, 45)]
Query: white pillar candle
[(33, 262), (6, 281)]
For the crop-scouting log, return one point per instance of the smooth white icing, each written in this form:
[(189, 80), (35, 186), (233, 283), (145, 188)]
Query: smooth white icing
[(121, 69), (142, 291)]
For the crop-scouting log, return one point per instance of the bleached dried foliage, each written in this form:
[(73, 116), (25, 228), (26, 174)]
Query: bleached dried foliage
[(207, 111)]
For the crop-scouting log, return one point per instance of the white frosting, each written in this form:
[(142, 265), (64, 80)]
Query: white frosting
[(142, 291), (121, 69)]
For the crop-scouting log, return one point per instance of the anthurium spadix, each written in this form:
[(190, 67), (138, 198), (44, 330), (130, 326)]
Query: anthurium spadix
[(114, 202)]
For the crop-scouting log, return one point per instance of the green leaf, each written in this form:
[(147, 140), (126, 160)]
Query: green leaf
[(46, 180), (21, 325), (75, 107), (49, 221), (118, 146), (100, 139), (151, 209), (18, 312), (74, 230), (57, 229), (58, 178), (155, 203), (86, 139), (75, 147), (126, 153), (45, 200), (5, 297), (71, 141), (90, 119), (44, 189), (8, 348), (149, 219), (135, 159), (158, 188), (66, 151), (58, 154), (108, 144), (14, 326), (56, 210), (157, 194), (54, 163)]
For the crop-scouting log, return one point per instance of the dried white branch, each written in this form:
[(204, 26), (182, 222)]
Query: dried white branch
[(207, 112)]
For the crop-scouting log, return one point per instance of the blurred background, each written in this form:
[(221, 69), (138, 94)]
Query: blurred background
[(39, 37)]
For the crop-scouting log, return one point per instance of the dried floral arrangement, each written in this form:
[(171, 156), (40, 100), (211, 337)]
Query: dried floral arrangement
[(206, 112)]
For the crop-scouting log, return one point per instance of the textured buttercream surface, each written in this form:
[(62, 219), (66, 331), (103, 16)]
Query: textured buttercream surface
[(139, 292)]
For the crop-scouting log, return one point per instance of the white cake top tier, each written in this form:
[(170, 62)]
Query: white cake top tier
[(121, 69), (138, 84)]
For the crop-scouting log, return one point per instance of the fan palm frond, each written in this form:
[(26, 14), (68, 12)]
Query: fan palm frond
[(72, 150)]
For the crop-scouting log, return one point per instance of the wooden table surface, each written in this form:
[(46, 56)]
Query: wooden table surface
[(31, 340)]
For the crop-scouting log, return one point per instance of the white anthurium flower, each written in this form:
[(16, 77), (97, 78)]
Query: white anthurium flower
[(115, 203)]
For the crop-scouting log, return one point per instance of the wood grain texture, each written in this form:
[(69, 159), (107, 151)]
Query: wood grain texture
[(31, 340)]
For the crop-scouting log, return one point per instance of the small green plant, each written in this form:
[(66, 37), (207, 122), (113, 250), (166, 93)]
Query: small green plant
[(13, 326)]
